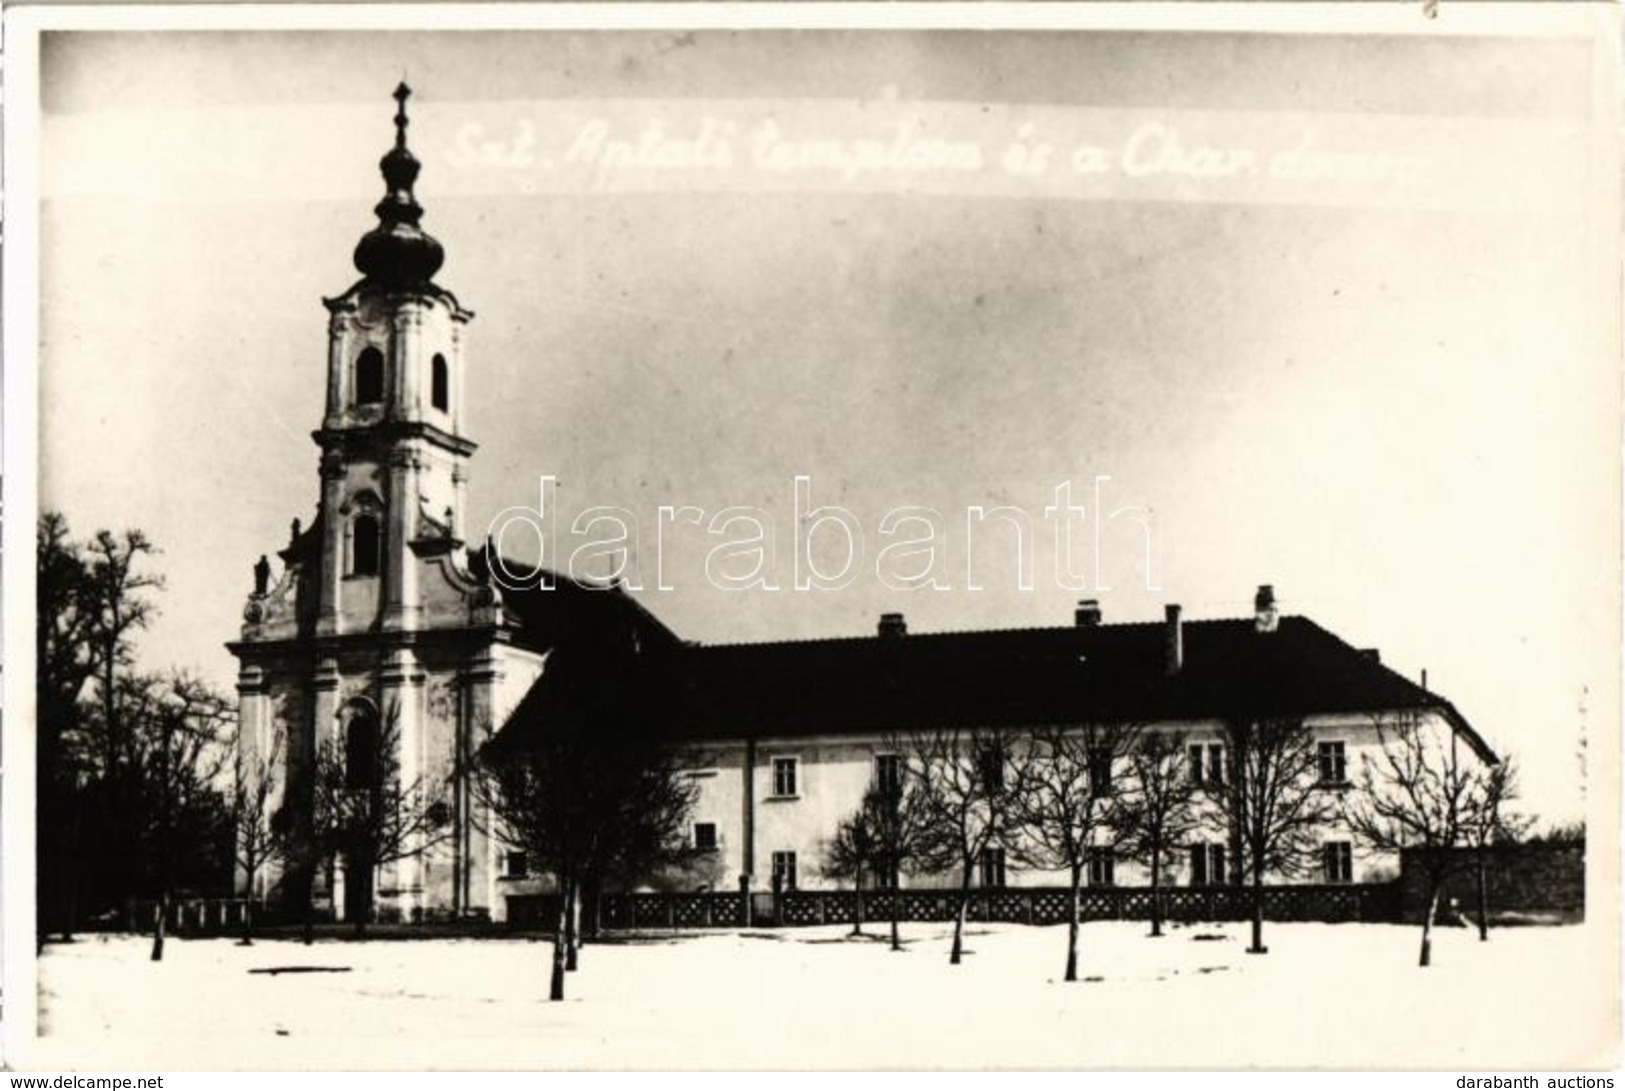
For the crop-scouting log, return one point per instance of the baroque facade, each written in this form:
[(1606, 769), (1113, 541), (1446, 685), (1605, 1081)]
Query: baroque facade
[(384, 623), (381, 616)]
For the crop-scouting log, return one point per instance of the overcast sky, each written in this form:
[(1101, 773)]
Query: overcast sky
[(1330, 308)]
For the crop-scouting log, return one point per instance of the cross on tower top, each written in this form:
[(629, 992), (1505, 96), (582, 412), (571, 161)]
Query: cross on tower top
[(402, 93), (398, 253)]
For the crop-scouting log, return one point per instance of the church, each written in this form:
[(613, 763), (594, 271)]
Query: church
[(383, 622)]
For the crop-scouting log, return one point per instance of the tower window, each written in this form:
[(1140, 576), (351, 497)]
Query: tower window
[(440, 384), (364, 544), (369, 377)]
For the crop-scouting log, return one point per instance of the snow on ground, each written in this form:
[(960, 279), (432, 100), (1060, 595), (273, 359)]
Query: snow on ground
[(1324, 996)]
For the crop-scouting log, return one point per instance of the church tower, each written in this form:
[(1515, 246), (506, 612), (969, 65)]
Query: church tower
[(394, 459), (384, 645)]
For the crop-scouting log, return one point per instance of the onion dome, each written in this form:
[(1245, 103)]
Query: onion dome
[(397, 253)]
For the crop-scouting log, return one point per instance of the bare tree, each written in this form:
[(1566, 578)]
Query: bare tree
[(260, 830), (1418, 795), (694, 868), (186, 724), (579, 780), (644, 802), (1071, 806), (92, 603), (1274, 803), (65, 620), (1160, 810), (895, 812), (962, 784), (121, 611), (368, 812), (129, 802), (853, 853), (526, 792), (1490, 823)]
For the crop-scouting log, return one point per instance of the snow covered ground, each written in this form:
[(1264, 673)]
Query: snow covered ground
[(1324, 996)]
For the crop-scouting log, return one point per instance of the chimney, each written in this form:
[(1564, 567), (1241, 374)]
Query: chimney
[(1088, 613), (892, 626), (1266, 618), (1175, 630)]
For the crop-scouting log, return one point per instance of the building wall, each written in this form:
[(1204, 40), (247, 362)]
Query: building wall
[(833, 772), (457, 694), (447, 695), (513, 672)]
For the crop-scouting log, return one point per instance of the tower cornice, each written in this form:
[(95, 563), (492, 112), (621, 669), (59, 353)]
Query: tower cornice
[(348, 301), (369, 438)]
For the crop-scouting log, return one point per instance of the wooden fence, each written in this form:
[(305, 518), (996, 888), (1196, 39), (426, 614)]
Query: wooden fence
[(1018, 905), (190, 916)]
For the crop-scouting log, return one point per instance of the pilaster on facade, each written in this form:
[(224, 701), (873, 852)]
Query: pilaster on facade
[(400, 694), (480, 683), (402, 608), (407, 324), (253, 735), (459, 492), (338, 329), (333, 472)]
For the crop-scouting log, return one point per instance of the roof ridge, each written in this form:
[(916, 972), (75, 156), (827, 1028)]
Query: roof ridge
[(937, 634)]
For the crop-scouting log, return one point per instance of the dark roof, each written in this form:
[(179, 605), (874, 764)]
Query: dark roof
[(1000, 678), (1029, 677), (554, 609)]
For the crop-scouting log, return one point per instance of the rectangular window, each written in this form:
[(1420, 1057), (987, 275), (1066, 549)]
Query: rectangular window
[(518, 866), (1206, 764), (1333, 766), (1100, 769), (990, 764), (992, 866), (705, 836), (1215, 764), (889, 774), (1207, 865), (881, 878), (784, 871), (784, 776), (1338, 863), (1102, 867)]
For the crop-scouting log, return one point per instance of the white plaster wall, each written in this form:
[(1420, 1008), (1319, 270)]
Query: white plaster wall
[(834, 772), (717, 773), (517, 670)]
